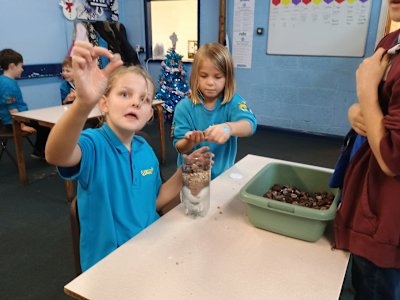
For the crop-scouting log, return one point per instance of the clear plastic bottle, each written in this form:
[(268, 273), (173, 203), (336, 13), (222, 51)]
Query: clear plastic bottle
[(196, 185)]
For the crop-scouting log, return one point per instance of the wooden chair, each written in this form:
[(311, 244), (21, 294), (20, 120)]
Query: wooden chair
[(5, 136), (75, 225), (75, 230)]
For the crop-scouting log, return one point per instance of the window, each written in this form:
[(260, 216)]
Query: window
[(163, 18)]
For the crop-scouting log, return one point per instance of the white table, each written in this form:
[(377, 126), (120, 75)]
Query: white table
[(49, 116), (221, 256)]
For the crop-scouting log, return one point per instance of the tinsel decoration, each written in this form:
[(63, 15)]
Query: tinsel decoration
[(173, 83)]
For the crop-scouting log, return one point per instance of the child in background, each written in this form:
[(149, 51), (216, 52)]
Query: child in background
[(11, 99), (214, 114), (67, 87), (119, 184)]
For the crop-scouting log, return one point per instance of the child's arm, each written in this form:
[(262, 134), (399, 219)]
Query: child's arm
[(220, 133), (171, 188), (62, 148), (27, 128), (24, 127), (368, 77)]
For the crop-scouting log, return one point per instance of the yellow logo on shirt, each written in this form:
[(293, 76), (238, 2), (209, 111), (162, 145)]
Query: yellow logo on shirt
[(147, 172), (243, 106)]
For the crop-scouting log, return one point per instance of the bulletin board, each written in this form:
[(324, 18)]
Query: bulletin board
[(318, 27)]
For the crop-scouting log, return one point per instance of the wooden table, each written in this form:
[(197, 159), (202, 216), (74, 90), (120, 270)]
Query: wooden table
[(49, 116), (220, 256)]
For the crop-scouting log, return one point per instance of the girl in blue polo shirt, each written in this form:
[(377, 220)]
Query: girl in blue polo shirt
[(119, 185), (213, 115)]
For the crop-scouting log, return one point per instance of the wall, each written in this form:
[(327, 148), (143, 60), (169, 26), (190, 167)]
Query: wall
[(38, 30), (303, 93), (294, 92)]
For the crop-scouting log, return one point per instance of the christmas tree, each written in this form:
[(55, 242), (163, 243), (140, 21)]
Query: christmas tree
[(173, 83)]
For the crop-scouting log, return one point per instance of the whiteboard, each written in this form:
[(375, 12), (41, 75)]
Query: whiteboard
[(318, 27)]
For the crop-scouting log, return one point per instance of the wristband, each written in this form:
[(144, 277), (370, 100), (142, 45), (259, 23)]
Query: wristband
[(227, 128)]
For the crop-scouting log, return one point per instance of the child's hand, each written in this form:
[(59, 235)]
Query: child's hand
[(356, 119), (28, 129), (90, 81), (218, 133), (370, 73), (70, 97), (194, 137), (202, 152)]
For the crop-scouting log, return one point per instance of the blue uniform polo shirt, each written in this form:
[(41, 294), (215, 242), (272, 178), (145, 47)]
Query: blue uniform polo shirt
[(117, 191), (10, 98), (188, 117)]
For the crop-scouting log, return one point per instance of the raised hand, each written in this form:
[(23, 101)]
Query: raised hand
[(91, 81)]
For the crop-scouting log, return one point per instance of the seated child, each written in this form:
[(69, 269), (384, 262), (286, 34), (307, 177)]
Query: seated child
[(67, 87), (119, 184), (11, 99)]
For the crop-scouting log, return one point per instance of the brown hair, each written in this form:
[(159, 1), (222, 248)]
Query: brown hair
[(131, 69), (8, 57), (222, 60), (67, 62)]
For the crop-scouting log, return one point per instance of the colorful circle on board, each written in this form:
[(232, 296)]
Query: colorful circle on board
[(306, 2)]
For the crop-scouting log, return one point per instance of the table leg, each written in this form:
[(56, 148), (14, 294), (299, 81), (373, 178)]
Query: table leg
[(19, 150), (69, 187), (160, 117)]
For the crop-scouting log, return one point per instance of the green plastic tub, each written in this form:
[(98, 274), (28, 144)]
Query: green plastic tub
[(284, 218)]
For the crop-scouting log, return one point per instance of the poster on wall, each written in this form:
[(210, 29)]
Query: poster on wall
[(93, 10), (321, 28), (242, 41)]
